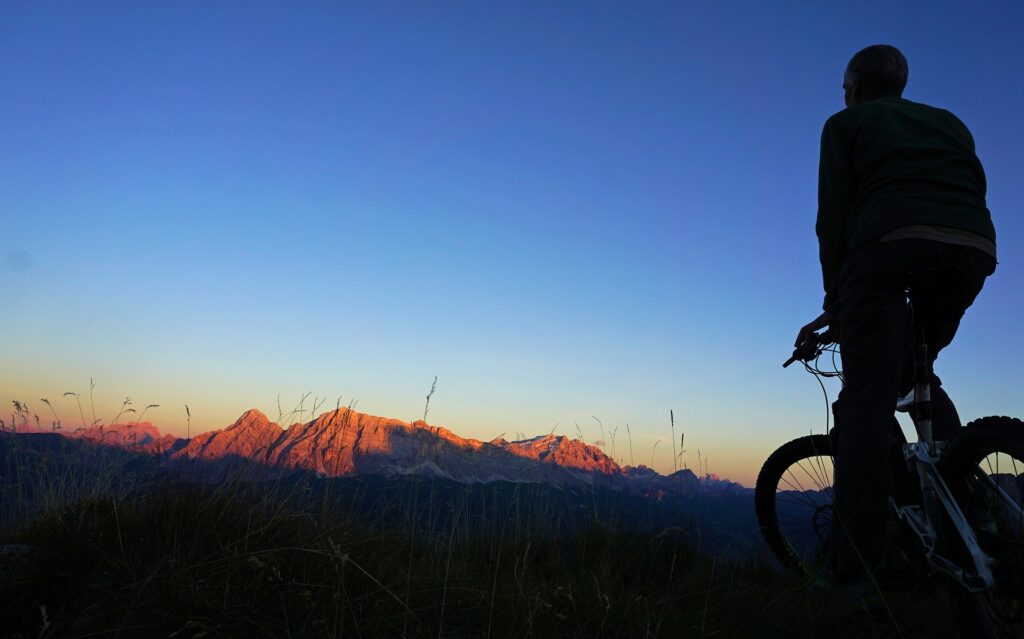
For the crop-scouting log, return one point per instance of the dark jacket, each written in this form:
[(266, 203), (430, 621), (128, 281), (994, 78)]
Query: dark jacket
[(889, 163)]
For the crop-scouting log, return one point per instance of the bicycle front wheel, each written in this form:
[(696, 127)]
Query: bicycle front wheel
[(793, 498)]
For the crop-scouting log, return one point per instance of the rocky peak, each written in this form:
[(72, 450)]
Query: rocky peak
[(252, 418), (250, 437), (569, 453), (639, 471)]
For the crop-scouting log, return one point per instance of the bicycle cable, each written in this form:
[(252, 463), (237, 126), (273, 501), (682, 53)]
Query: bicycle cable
[(818, 374)]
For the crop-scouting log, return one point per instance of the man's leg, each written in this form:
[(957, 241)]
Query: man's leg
[(874, 332), (872, 335), (940, 304)]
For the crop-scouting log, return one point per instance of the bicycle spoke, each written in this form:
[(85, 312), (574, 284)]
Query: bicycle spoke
[(804, 501), (801, 510), (809, 476), (828, 472), (801, 500), (815, 477), (799, 521), (818, 479), (794, 506), (799, 489), (1007, 492)]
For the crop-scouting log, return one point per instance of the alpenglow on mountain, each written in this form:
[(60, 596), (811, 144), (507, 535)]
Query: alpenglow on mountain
[(344, 442)]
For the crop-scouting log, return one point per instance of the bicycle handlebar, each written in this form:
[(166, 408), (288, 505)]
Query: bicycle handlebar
[(811, 348)]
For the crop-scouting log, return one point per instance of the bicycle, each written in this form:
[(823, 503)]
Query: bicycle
[(957, 515)]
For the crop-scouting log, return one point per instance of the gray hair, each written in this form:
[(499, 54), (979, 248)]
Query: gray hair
[(879, 70)]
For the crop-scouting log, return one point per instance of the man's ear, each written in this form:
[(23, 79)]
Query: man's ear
[(853, 92)]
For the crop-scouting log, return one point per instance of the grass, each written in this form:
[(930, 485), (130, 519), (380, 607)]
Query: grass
[(116, 550), (195, 561)]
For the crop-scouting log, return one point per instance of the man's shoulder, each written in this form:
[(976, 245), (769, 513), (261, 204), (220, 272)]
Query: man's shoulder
[(872, 108), (853, 118), (835, 121)]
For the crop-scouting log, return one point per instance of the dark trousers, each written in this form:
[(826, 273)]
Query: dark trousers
[(876, 339)]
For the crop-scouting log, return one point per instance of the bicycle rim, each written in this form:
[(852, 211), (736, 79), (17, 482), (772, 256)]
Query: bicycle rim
[(987, 476), (795, 503), (996, 486)]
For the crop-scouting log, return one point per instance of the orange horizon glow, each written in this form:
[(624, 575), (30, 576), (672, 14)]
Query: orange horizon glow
[(68, 415)]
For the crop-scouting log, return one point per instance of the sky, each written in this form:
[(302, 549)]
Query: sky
[(577, 216)]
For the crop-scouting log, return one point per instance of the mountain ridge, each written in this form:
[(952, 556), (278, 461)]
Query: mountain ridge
[(344, 442)]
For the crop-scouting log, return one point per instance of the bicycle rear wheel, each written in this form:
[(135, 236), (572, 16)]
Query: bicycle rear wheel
[(793, 499), (984, 468)]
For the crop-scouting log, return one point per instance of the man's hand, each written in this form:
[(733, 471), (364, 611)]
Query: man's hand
[(821, 321)]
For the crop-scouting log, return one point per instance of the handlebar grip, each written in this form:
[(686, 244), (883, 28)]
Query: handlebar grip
[(830, 336), (810, 348)]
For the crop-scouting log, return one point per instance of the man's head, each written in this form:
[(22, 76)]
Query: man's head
[(873, 72)]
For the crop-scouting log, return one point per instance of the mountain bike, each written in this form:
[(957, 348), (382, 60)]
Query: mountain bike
[(956, 516)]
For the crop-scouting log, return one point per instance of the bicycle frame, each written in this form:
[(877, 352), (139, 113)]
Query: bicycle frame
[(922, 520), (936, 498)]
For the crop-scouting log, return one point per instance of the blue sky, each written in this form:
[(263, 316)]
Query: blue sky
[(561, 210)]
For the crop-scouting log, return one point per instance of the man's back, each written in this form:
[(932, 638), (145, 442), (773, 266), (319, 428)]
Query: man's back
[(888, 164)]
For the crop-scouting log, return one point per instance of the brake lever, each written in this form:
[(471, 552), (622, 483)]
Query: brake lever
[(807, 350)]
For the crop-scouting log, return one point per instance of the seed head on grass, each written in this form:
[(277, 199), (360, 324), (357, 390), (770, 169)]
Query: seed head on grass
[(21, 414), (629, 436), (125, 408), (426, 407), (317, 403), (143, 413), (602, 428), (78, 400), (92, 403), (55, 426), (672, 420)]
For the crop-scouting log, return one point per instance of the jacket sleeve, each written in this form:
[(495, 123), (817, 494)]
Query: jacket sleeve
[(835, 197)]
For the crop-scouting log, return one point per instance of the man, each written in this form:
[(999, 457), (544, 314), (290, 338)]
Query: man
[(900, 191)]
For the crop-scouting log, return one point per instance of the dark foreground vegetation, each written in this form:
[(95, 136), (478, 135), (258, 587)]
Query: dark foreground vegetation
[(107, 548)]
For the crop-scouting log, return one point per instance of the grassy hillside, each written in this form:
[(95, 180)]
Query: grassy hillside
[(120, 552)]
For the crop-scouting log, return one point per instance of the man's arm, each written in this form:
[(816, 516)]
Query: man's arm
[(835, 197)]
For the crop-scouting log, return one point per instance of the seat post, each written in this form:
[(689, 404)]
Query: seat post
[(922, 385)]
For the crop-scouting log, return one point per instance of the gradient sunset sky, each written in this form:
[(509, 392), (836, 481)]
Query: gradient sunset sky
[(561, 210)]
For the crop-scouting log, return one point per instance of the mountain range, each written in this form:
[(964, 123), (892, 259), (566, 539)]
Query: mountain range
[(344, 443)]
